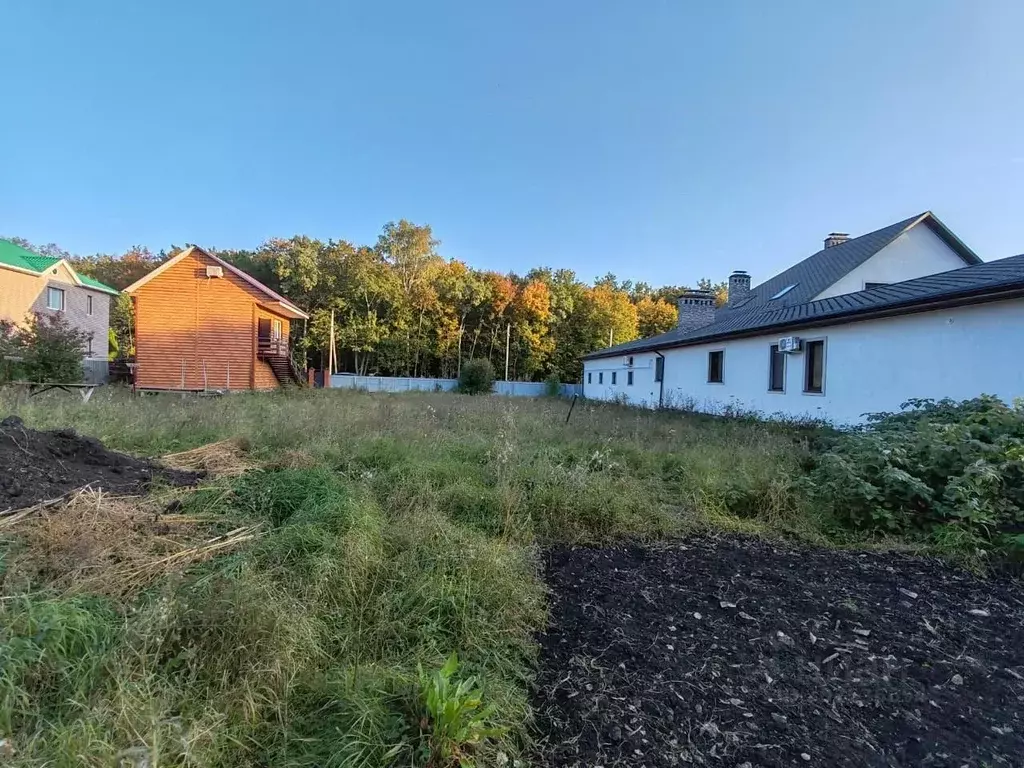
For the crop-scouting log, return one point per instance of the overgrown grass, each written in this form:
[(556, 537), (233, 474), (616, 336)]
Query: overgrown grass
[(397, 530)]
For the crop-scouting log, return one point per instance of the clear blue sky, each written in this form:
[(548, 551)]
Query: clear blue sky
[(662, 141)]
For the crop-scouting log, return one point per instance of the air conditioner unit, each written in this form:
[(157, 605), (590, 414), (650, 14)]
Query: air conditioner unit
[(790, 344), (215, 271)]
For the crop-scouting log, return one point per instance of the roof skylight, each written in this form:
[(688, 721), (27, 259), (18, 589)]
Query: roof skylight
[(783, 292)]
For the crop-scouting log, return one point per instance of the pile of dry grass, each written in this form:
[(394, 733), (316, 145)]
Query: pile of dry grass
[(225, 458), (112, 545)]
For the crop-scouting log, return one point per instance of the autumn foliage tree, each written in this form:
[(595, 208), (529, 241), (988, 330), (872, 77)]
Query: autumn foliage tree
[(400, 308)]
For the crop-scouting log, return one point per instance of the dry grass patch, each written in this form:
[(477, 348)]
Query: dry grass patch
[(110, 545), (224, 458)]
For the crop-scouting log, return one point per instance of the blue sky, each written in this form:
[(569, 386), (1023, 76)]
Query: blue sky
[(662, 141)]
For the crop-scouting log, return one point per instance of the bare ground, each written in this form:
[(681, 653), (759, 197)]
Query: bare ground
[(735, 652)]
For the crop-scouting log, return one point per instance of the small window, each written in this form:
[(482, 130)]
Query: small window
[(784, 291), (869, 286), (55, 299), (590, 377), (630, 361), (88, 305), (276, 329), (88, 347), (659, 368), (600, 377), (629, 379), (776, 370), (814, 366), (614, 376), (716, 360)]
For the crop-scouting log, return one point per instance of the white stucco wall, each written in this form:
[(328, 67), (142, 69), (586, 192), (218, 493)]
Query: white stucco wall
[(870, 366), (915, 253)]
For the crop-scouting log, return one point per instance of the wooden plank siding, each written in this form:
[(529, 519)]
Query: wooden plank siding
[(184, 318)]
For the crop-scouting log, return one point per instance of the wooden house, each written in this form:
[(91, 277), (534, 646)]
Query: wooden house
[(203, 324)]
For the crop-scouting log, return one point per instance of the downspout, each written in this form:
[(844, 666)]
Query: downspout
[(661, 383)]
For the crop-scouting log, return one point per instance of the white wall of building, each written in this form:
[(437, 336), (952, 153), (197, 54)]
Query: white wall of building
[(870, 366), (915, 253)]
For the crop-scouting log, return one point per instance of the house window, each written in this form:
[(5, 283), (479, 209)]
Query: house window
[(275, 330), (614, 377), (88, 305), (629, 379), (783, 292), (629, 361), (869, 286), (600, 377), (716, 362), (659, 368), (776, 370), (55, 299), (590, 377), (88, 347), (814, 366)]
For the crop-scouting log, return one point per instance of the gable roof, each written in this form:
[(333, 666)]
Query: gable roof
[(13, 256), (986, 281), (817, 272), (284, 305)]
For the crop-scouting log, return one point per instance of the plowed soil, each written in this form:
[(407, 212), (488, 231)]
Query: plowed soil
[(37, 466), (734, 652)]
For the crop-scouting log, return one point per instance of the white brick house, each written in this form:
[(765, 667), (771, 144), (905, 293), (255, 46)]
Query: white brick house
[(861, 326)]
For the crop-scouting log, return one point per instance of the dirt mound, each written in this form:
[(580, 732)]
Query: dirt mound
[(38, 466), (732, 652)]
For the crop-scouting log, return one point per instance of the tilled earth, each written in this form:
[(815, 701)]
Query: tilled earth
[(37, 466), (735, 652)]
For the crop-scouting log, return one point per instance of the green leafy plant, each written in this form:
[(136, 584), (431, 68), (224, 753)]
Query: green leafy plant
[(941, 467), (476, 377), (454, 720), (553, 385), (51, 348)]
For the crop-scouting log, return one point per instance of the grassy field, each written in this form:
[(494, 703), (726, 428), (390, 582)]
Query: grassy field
[(394, 531)]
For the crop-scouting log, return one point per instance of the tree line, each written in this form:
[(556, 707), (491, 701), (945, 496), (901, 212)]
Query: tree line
[(401, 309)]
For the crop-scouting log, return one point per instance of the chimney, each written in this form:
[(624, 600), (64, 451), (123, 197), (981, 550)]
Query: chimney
[(739, 286), (836, 238), (696, 309)]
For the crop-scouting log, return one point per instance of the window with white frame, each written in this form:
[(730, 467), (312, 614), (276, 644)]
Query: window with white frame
[(55, 299), (776, 369), (814, 367), (88, 305), (590, 377), (614, 377), (716, 366), (629, 378)]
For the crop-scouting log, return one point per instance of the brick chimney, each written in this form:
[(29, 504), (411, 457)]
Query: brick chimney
[(739, 286), (696, 309), (836, 238)]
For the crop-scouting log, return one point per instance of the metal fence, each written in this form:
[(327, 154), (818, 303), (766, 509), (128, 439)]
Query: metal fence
[(409, 384)]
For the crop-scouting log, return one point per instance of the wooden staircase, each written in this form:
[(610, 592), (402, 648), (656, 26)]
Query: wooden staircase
[(274, 353)]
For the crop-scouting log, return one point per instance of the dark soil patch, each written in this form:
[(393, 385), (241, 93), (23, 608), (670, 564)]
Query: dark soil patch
[(734, 652), (37, 466)]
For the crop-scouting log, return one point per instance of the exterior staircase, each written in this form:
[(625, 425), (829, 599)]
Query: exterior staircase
[(275, 354)]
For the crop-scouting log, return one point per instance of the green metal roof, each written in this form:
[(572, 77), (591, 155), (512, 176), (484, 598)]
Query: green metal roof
[(91, 283), (13, 255)]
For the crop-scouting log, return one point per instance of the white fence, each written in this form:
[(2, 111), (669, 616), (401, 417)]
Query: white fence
[(409, 384)]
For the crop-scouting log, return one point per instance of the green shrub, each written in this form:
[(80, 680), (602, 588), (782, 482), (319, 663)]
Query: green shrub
[(51, 349), (476, 377), (553, 385), (939, 467)]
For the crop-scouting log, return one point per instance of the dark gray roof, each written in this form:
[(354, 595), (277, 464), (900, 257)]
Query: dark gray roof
[(973, 283), (817, 272)]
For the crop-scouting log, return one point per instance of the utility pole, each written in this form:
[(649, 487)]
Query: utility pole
[(508, 339), (330, 352), (611, 336)]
